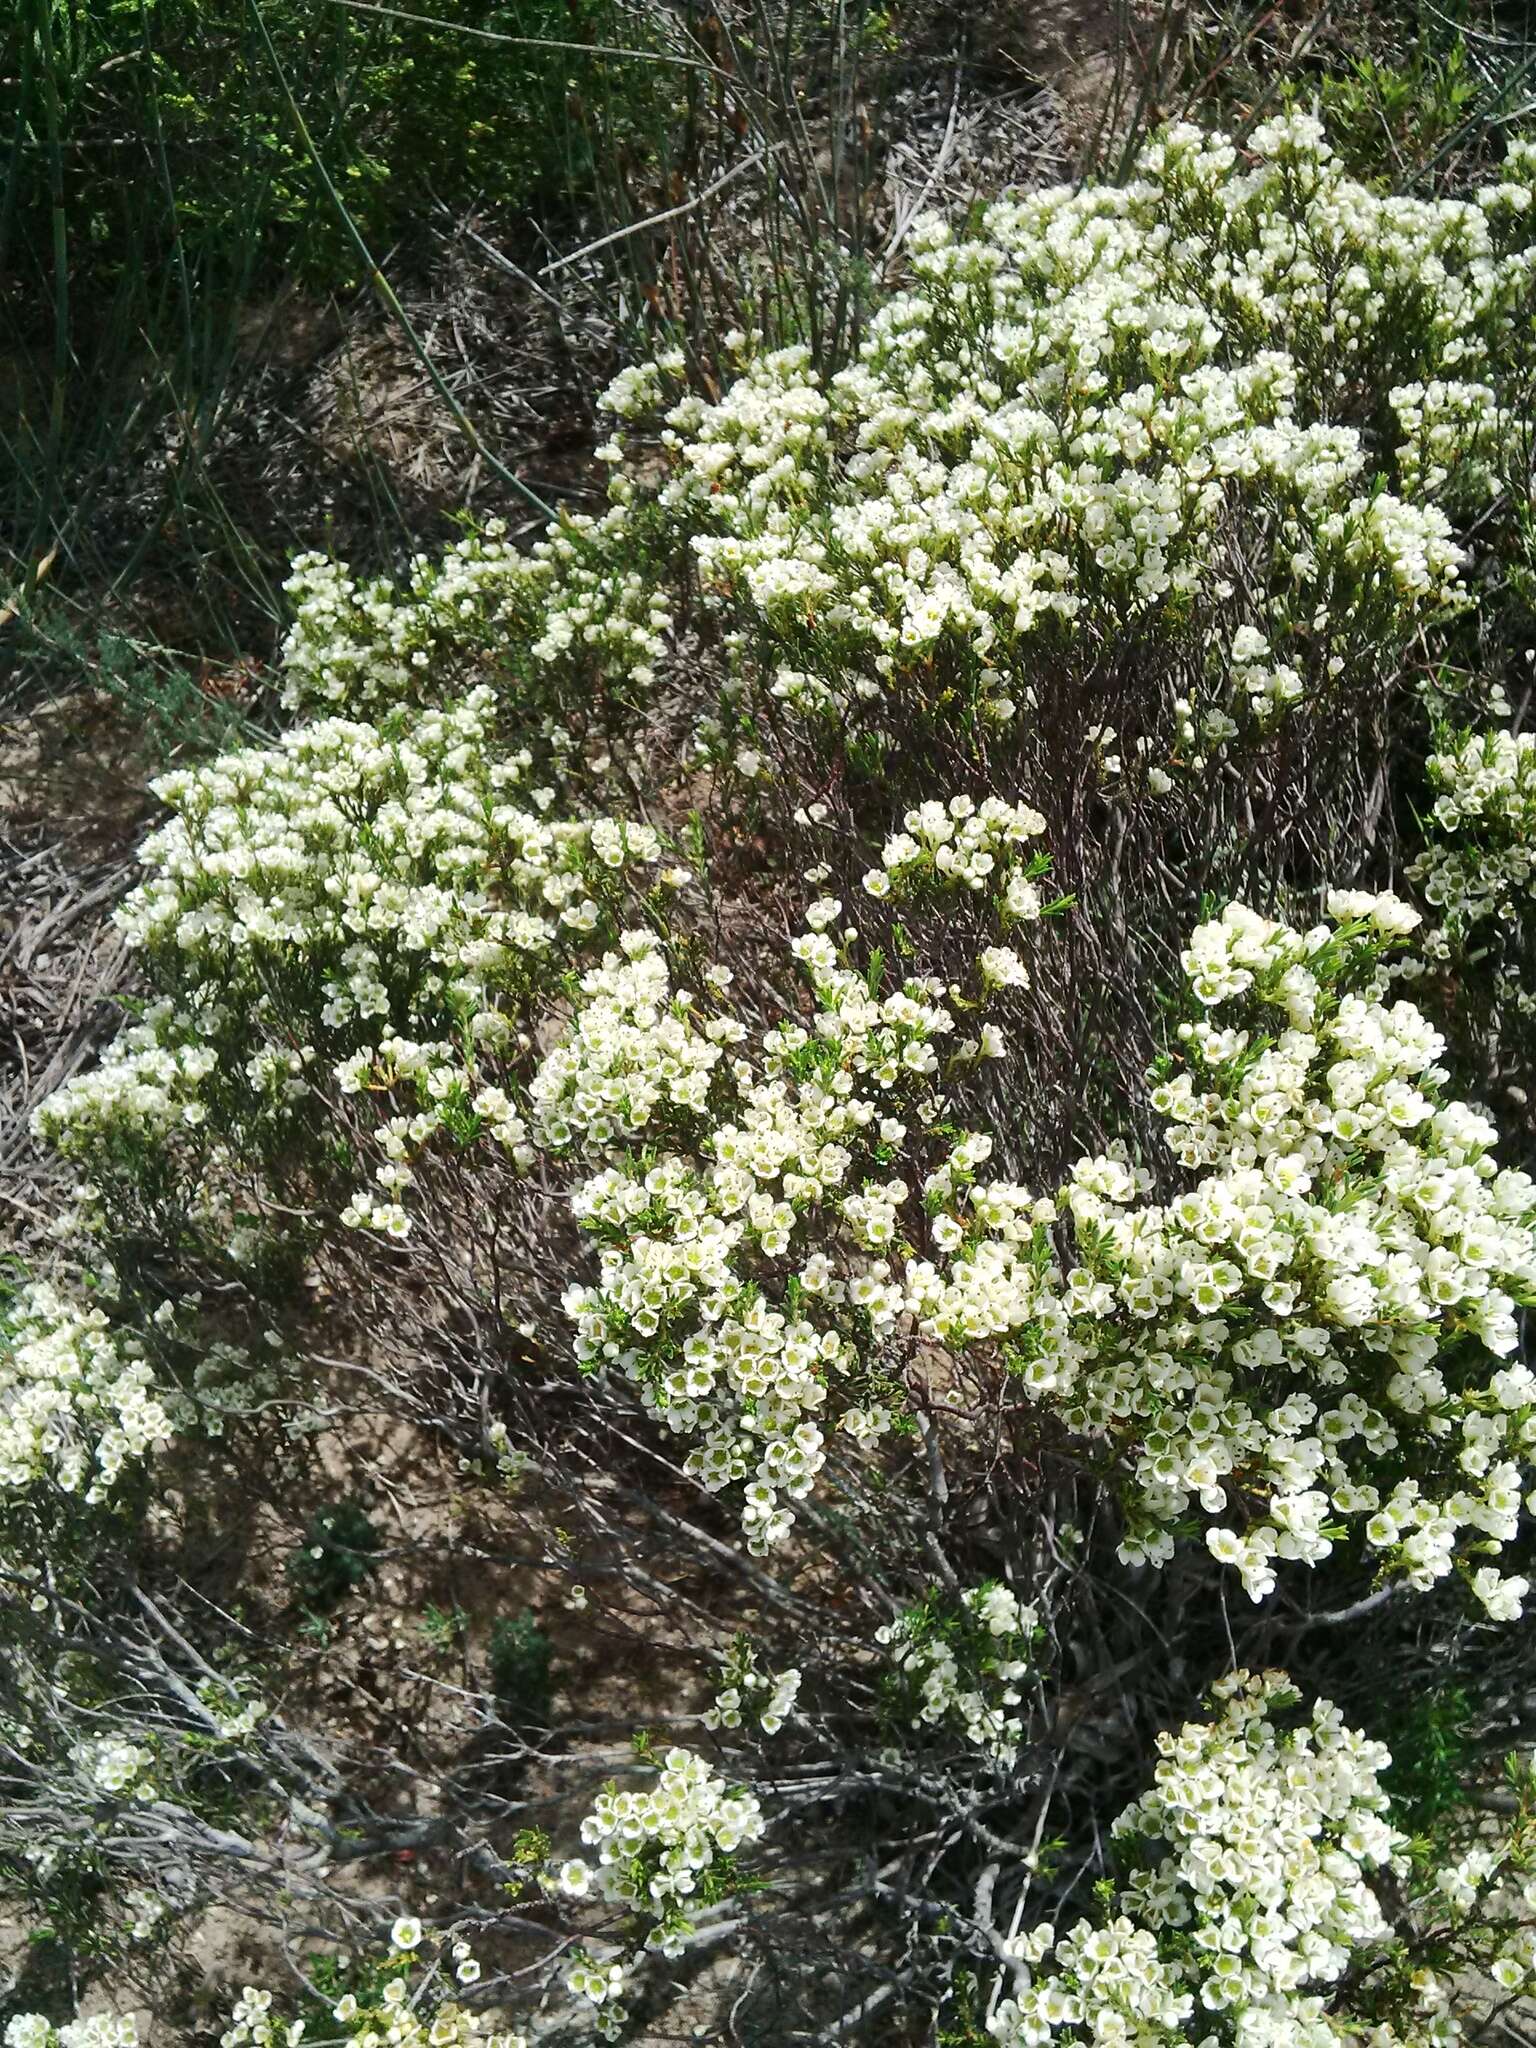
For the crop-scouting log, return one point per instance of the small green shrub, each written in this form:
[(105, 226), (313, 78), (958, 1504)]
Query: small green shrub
[(442, 1627), (520, 1674), (1414, 107), (336, 1556)]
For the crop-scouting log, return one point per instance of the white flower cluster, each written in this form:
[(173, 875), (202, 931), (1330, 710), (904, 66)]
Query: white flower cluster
[(77, 1400), (1248, 1909), (653, 1845), (963, 1666), (394, 2014), (655, 1850), (232, 1718), (1454, 431), (1251, 1895), (145, 1911), (101, 2030), (683, 1304), (1110, 403), (362, 906), (965, 845), (767, 1696), (1490, 1890), (1480, 871), (602, 1985), (634, 1052), (146, 1088), (362, 648), (1312, 1332), (116, 1768)]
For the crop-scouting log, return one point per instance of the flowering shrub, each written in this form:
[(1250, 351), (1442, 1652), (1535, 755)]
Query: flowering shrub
[(656, 1848), (125, 1777), (1109, 411), (410, 1997), (1475, 875), (363, 648), (802, 1135), (1252, 1884), (1249, 1898), (1485, 807), (1230, 406), (387, 2005), (659, 1852), (1001, 1156), (361, 908), (1350, 1231), (1312, 1327)]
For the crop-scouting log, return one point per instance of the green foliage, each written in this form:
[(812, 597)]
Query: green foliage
[(362, 1976), (520, 1655), (336, 1555), (442, 1627), (1412, 90), (1413, 107), (174, 709), (182, 100), (963, 2021), (1432, 1756), (170, 168)]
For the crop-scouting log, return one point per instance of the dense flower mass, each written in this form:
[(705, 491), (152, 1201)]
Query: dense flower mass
[(1113, 404), (364, 647), (654, 1847), (358, 907), (1311, 1333), (77, 1399), (1098, 409), (659, 1852), (1249, 1895), (819, 1279), (634, 1056), (1477, 873), (804, 1131)]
